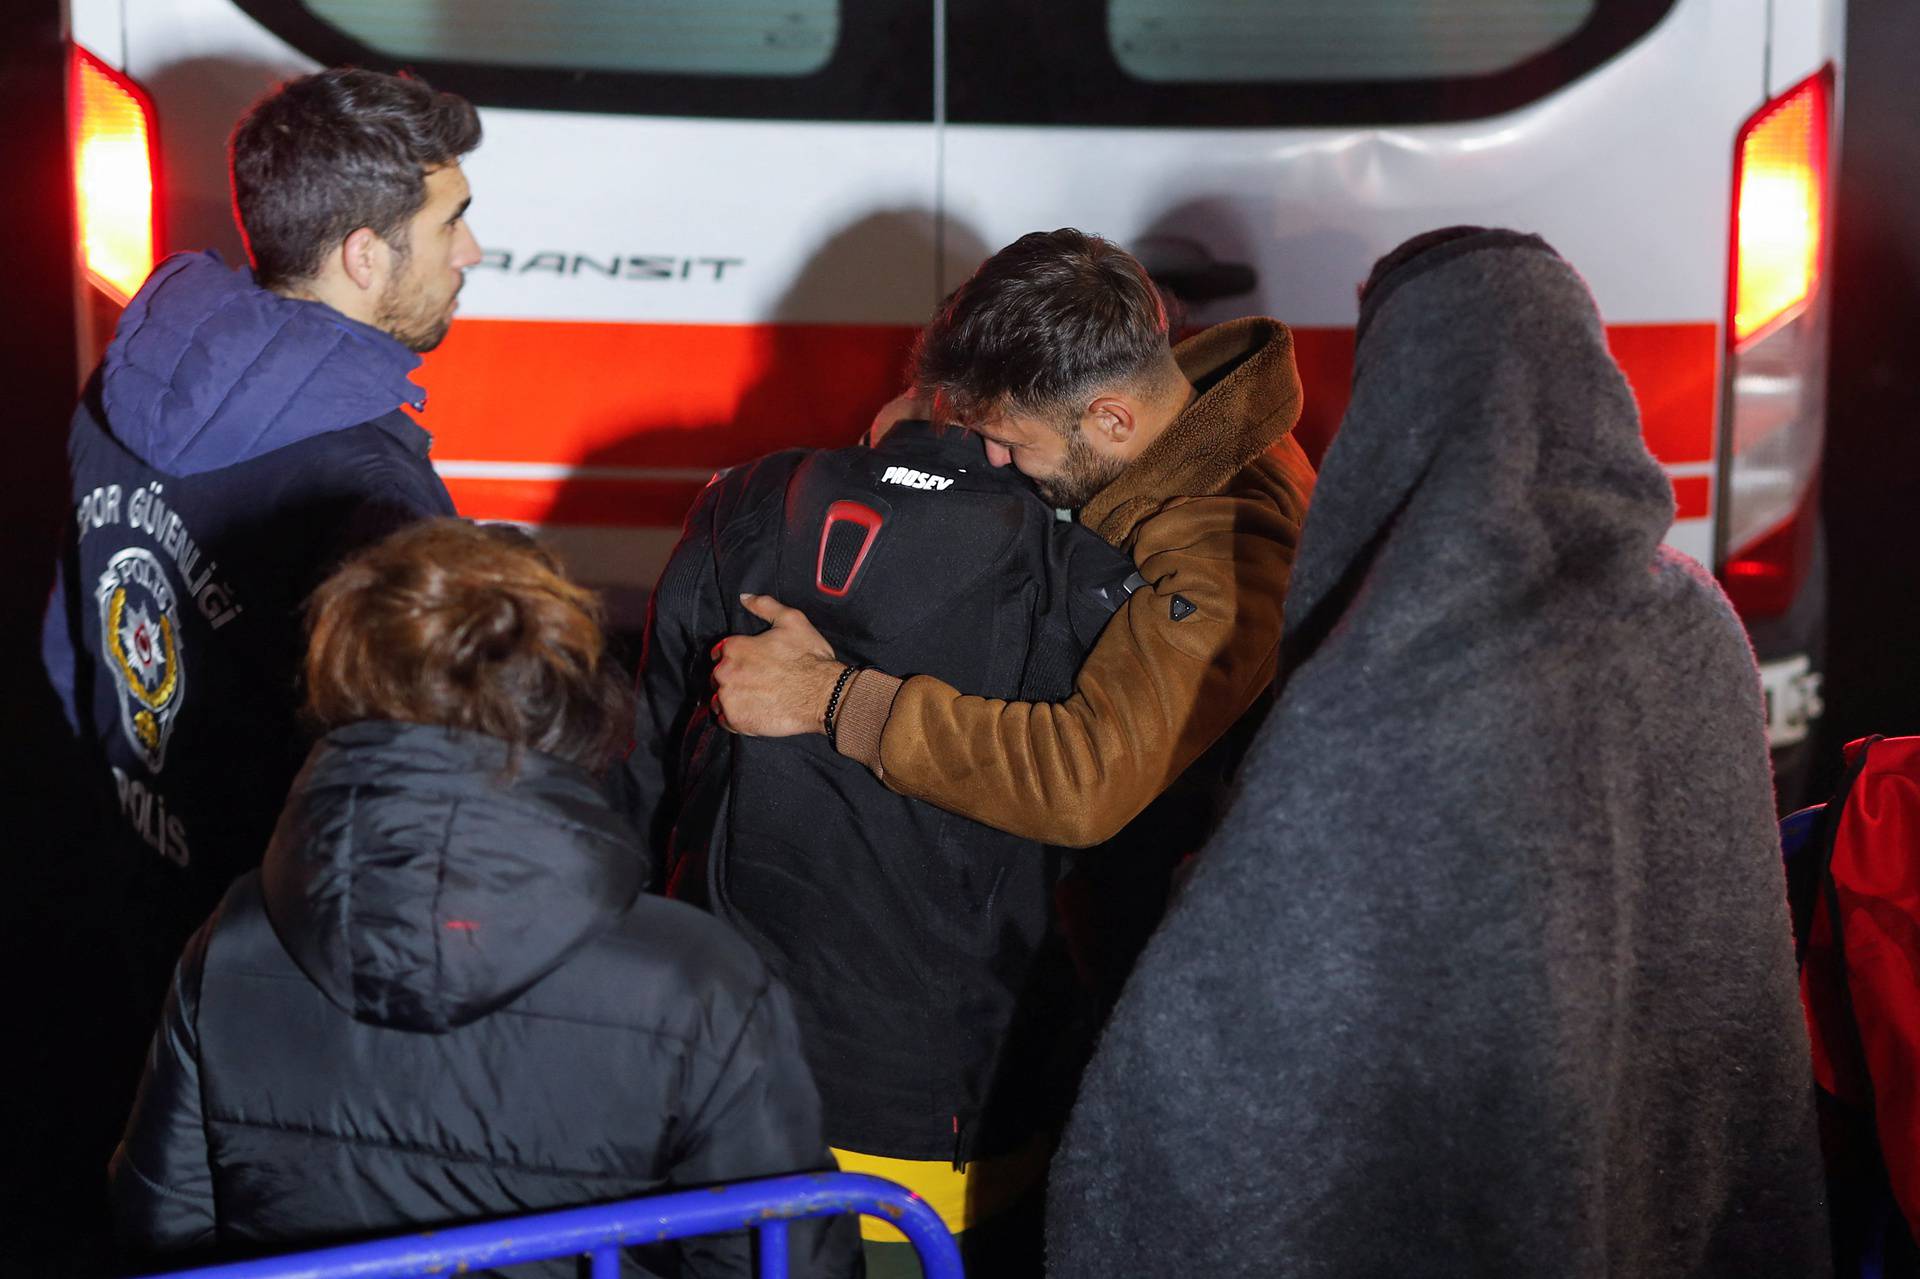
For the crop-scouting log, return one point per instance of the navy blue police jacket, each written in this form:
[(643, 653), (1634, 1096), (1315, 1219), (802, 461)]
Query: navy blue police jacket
[(930, 982), (232, 447)]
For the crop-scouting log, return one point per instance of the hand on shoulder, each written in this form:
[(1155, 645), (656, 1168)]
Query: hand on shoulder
[(776, 683)]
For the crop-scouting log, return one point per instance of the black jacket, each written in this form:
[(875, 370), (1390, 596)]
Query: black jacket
[(442, 997), (233, 446), (929, 983)]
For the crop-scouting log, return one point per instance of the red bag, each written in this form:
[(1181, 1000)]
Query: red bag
[(1855, 896)]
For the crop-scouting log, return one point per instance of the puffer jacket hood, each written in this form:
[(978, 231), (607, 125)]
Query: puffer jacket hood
[(208, 370), (420, 885)]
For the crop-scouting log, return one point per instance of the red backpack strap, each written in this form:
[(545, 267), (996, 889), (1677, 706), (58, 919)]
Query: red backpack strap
[(1872, 905), (1809, 871)]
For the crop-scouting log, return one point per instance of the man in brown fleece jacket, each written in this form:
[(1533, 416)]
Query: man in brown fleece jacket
[(1056, 353)]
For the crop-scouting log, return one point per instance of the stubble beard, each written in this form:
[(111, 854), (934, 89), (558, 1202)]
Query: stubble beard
[(1082, 475), (400, 315)]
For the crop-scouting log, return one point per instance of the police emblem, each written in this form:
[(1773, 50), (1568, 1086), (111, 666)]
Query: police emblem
[(140, 634)]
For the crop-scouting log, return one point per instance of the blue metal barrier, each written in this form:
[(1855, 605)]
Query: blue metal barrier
[(602, 1230)]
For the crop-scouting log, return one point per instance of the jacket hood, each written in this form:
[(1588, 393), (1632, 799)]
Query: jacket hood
[(1249, 401), (1491, 452), (419, 890), (207, 369)]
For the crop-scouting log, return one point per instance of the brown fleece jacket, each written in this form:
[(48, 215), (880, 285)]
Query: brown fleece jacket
[(1211, 514)]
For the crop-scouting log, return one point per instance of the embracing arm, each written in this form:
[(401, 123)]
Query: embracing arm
[(1159, 688), (1179, 664)]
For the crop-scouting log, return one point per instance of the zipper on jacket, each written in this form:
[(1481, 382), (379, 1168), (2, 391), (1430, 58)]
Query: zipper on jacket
[(959, 1164)]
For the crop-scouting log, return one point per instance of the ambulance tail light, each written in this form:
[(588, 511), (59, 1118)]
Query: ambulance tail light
[(1775, 419), (112, 133)]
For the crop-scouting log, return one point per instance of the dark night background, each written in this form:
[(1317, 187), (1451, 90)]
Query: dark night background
[(63, 1103)]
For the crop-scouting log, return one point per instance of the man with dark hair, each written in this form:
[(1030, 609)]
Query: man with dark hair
[(241, 436), (338, 167), (1056, 353)]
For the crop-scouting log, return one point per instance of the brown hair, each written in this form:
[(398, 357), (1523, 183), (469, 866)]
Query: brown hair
[(470, 626), (1051, 318)]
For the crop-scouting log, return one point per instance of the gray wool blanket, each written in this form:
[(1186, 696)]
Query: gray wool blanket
[(1487, 971)]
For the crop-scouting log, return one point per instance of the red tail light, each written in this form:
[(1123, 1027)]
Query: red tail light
[(112, 133), (1780, 196), (1775, 422)]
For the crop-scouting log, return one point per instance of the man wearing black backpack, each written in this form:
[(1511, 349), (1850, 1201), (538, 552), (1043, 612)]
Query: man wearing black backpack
[(935, 998)]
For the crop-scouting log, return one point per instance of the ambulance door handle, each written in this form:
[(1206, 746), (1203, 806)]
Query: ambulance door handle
[(1184, 268)]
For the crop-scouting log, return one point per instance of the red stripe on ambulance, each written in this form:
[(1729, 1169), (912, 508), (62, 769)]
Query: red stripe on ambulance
[(602, 395), (659, 395), (1672, 369)]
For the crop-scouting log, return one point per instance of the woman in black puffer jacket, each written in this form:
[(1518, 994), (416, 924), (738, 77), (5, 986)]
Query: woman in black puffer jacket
[(443, 996)]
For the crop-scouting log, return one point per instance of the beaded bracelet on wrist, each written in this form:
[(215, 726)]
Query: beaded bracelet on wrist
[(830, 721)]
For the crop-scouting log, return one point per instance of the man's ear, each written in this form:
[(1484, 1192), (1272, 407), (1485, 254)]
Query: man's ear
[(364, 257), (1110, 417)]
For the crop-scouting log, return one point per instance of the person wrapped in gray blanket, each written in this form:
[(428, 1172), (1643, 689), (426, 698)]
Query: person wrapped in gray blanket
[(1487, 970)]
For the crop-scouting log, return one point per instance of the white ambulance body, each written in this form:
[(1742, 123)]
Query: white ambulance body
[(712, 226)]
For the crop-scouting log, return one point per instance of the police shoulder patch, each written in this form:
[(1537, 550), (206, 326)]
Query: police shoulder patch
[(140, 632)]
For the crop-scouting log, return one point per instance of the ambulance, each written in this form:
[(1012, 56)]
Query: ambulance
[(711, 227)]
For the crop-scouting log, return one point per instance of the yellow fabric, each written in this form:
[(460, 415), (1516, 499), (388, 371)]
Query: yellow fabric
[(962, 1199), (1211, 512)]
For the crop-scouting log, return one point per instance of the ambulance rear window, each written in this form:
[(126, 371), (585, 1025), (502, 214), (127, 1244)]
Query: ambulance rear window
[(689, 37), (1238, 64), (852, 60), (1215, 41)]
